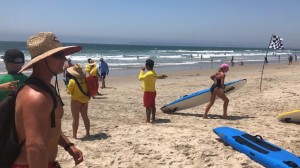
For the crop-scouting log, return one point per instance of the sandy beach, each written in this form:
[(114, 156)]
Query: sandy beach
[(184, 139)]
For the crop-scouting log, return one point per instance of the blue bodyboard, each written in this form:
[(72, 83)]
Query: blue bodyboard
[(256, 148)]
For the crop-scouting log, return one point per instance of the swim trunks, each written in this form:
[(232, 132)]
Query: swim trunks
[(149, 99), (50, 165), (103, 75)]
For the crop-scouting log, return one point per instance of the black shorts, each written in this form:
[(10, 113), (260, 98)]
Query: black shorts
[(103, 75)]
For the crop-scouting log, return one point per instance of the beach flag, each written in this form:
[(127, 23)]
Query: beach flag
[(276, 42)]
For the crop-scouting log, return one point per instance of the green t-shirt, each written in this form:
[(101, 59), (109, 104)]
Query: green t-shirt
[(8, 78)]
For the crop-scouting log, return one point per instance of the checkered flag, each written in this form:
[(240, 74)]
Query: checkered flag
[(276, 42)]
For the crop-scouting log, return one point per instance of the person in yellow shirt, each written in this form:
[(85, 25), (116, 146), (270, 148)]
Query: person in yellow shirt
[(92, 72), (149, 80), (79, 99), (91, 68)]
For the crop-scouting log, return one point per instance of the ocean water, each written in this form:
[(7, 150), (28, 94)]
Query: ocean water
[(127, 59)]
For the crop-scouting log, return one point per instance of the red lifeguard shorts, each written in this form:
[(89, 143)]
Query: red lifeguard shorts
[(50, 165), (149, 99)]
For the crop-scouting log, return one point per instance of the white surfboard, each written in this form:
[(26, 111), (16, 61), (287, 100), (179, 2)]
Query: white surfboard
[(201, 97), (290, 116)]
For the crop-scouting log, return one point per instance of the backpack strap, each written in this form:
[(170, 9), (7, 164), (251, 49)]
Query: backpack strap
[(80, 88), (41, 84)]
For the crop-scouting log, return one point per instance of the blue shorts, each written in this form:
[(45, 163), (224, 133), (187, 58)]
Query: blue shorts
[(103, 75)]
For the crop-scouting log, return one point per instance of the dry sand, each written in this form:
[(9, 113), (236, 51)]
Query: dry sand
[(184, 139)]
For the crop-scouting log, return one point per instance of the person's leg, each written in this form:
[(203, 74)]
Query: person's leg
[(103, 83), (103, 75), (148, 114), (222, 96), (153, 108), (211, 102), (85, 118), (75, 108), (153, 111)]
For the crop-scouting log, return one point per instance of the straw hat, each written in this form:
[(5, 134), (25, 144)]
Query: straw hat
[(76, 71), (45, 44)]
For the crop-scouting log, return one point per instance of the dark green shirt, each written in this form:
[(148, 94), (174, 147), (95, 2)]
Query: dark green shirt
[(8, 78)]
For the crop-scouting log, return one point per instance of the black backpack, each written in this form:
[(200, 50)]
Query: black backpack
[(10, 148)]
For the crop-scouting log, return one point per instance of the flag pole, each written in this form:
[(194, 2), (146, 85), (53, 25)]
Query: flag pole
[(262, 71)]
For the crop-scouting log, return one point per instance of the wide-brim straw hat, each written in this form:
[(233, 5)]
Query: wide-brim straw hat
[(45, 44), (76, 71)]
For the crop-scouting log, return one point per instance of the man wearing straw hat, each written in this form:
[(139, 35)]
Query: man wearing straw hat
[(34, 106)]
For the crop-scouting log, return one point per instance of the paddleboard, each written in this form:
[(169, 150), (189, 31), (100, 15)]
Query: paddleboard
[(290, 116), (258, 149), (200, 97)]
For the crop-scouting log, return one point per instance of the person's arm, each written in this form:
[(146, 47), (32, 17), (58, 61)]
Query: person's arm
[(98, 72), (36, 113), (212, 77), (107, 69), (70, 88), (70, 148), (9, 85), (88, 69), (142, 76)]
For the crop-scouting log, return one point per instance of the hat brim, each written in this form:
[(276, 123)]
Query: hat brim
[(66, 50), (74, 73)]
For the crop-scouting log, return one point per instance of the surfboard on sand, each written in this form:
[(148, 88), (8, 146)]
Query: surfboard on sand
[(290, 116), (200, 97), (258, 149)]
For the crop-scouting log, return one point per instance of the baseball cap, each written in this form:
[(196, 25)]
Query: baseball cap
[(14, 56)]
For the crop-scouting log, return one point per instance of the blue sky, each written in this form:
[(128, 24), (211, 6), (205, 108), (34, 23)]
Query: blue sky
[(240, 23)]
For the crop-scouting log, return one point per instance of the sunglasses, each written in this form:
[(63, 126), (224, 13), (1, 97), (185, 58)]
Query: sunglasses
[(59, 55)]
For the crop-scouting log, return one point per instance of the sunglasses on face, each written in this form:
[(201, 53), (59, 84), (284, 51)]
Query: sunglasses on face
[(59, 55)]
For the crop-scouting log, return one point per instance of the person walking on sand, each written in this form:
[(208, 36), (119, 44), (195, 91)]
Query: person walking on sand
[(266, 60), (290, 59), (14, 60), (79, 101), (232, 63), (67, 65), (92, 73), (103, 70), (38, 120), (149, 80), (217, 90)]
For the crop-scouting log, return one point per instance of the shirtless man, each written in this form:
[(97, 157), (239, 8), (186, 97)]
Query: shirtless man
[(33, 117)]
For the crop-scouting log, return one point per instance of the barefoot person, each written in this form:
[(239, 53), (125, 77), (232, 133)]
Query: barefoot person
[(35, 121), (149, 80), (103, 70), (217, 90), (79, 101), (92, 76), (67, 65)]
